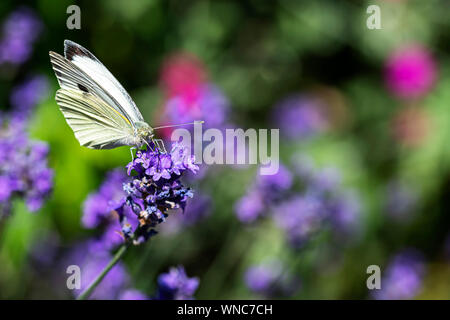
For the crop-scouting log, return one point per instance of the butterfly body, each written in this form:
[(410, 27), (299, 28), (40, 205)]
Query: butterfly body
[(98, 109), (143, 133)]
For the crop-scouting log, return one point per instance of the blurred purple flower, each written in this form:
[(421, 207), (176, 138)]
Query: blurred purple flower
[(410, 72), (403, 277), (97, 206), (99, 210), (27, 95), (270, 280), (92, 261), (325, 180), (175, 285), (250, 207), (299, 117), (343, 211), (300, 217), (132, 294), (20, 31), (196, 210), (401, 200), (273, 186), (23, 169), (266, 190)]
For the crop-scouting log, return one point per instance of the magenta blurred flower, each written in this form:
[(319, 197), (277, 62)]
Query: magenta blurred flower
[(183, 75), (410, 72), (188, 94)]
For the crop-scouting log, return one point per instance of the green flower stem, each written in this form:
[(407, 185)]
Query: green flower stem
[(119, 254)]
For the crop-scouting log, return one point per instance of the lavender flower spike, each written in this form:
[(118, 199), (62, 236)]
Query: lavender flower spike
[(155, 189)]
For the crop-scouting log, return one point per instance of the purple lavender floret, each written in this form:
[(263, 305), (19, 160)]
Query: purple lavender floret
[(154, 189), (176, 285), (24, 171), (403, 277), (20, 30)]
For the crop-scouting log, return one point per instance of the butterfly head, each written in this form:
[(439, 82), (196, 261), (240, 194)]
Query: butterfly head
[(143, 133)]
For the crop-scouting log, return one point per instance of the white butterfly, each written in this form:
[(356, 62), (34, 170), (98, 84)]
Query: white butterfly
[(97, 108)]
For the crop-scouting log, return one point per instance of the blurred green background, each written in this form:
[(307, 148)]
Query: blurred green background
[(257, 53)]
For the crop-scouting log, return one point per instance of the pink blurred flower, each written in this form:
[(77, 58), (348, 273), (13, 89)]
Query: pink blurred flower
[(410, 72), (183, 75)]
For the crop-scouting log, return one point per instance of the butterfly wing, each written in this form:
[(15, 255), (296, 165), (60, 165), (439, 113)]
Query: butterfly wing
[(73, 78), (96, 71), (87, 85), (95, 124)]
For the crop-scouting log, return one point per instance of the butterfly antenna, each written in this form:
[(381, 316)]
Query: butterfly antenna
[(179, 125)]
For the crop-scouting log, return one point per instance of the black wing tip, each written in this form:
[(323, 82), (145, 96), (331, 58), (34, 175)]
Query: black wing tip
[(72, 49)]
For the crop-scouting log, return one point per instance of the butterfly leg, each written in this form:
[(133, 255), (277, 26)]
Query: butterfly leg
[(160, 144), (131, 151)]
